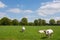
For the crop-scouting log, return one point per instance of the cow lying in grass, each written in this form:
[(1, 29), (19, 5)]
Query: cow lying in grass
[(47, 32)]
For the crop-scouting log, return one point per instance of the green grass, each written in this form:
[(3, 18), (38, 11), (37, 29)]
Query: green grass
[(31, 33)]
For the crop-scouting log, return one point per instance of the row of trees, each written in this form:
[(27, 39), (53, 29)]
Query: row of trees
[(24, 21)]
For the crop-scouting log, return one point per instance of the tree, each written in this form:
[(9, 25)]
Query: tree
[(15, 22), (0, 22), (5, 21), (39, 21), (52, 22), (24, 21), (58, 22), (30, 23), (43, 22), (36, 22)]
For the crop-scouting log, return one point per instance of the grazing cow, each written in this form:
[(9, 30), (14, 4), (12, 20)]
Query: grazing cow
[(23, 29), (41, 31), (47, 32)]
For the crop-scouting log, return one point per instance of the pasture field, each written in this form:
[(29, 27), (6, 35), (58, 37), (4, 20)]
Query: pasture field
[(31, 33)]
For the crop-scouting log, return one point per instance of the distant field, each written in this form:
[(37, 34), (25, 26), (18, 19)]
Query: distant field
[(31, 33)]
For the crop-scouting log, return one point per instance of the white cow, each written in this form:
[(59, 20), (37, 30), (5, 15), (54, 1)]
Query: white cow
[(47, 32), (23, 29), (41, 31)]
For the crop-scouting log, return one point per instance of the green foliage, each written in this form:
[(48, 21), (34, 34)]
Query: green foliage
[(52, 22), (58, 22), (43, 22), (30, 23), (15, 22), (36, 22), (39, 22), (5, 21), (24, 21)]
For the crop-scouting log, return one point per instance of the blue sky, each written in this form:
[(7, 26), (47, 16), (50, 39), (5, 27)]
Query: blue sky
[(31, 9)]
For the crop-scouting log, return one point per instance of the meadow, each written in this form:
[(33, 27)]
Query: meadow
[(31, 33)]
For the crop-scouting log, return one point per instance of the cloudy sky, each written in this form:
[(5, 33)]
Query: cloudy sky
[(31, 9)]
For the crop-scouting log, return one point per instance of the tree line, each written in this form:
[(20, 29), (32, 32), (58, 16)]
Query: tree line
[(24, 21)]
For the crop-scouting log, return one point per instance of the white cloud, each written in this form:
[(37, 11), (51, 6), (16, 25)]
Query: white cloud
[(56, 0), (2, 5), (49, 8), (28, 11), (17, 10), (14, 10), (2, 14), (56, 18)]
